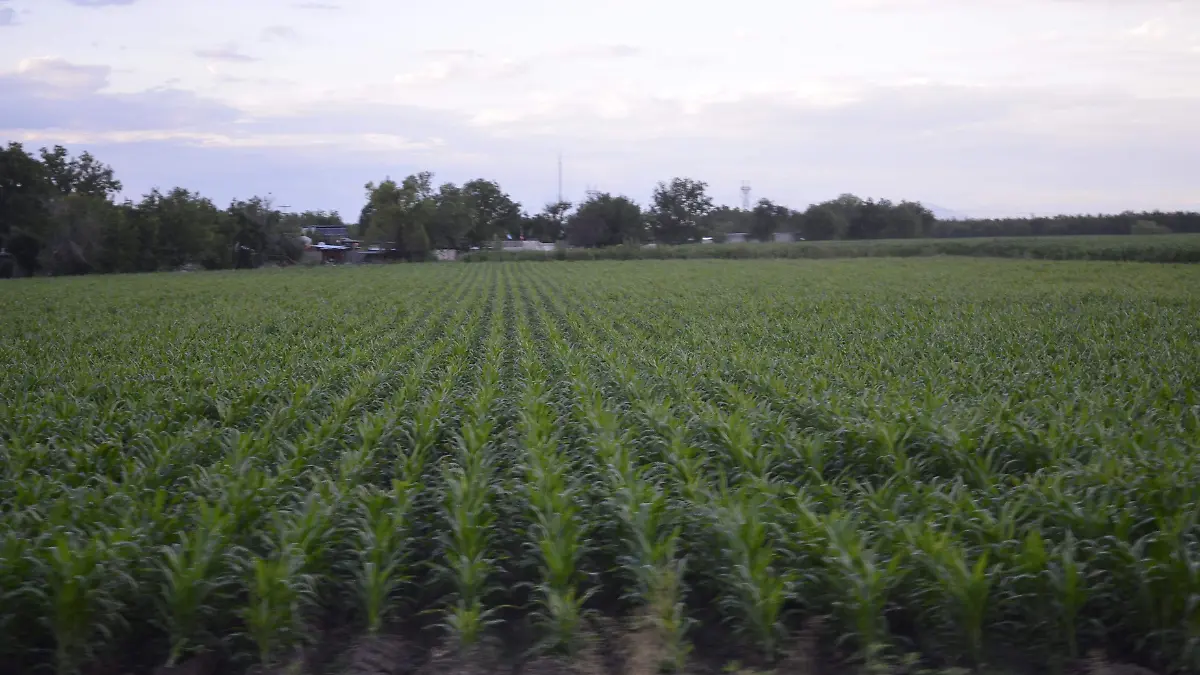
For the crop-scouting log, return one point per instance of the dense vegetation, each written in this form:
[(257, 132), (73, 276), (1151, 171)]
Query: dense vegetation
[(58, 216), (1178, 248), (985, 462)]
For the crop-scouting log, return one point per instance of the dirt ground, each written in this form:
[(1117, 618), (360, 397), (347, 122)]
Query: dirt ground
[(608, 650)]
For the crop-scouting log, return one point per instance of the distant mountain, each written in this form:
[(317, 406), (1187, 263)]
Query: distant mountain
[(943, 213)]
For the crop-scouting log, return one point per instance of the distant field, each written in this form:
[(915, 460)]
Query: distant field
[(621, 464), (1178, 248)]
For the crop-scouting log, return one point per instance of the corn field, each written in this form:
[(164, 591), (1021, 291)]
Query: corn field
[(973, 463)]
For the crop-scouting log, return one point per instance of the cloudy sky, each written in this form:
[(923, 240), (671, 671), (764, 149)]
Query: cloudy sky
[(985, 107)]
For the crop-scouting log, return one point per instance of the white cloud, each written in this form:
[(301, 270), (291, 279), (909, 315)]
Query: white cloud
[(279, 33), (357, 143), (226, 52), (1153, 29), (61, 74), (994, 104)]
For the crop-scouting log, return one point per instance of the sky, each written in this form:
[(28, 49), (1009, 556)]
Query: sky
[(980, 107)]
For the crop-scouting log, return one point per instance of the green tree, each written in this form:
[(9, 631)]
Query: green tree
[(495, 212), (404, 213), (53, 209), (872, 221), (25, 191), (259, 233), (677, 209), (605, 220), (1149, 227), (121, 247), (73, 239), (364, 220), (455, 217), (79, 175), (845, 205), (911, 219), (768, 218), (185, 227), (823, 222), (723, 220), (548, 226)]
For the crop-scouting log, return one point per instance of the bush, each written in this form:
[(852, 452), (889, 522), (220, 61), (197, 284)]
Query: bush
[(1156, 247), (1149, 227)]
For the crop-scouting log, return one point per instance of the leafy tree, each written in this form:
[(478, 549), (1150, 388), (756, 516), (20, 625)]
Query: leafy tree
[(1149, 227), (548, 226), (846, 205), (677, 209), (404, 213), (53, 208), (605, 220), (259, 233), (79, 175), (184, 227), (73, 239), (121, 248), (823, 222), (871, 221), (455, 217), (25, 190), (767, 219), (912, 219), (723, 220), (57, 215), (364, 220), (495, 212)]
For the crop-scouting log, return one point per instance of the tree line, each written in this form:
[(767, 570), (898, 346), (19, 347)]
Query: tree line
[(59, 215)]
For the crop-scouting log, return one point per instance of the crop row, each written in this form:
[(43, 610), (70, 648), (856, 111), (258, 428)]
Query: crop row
[(979, 462)]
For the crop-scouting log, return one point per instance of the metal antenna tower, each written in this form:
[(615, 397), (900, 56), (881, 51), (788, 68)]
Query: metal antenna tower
[(745, 195)]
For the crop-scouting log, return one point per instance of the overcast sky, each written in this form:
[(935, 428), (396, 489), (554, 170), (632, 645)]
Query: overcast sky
[(986, 107)]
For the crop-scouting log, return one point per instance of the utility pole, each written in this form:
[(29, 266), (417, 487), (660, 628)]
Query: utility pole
[(560, 178)]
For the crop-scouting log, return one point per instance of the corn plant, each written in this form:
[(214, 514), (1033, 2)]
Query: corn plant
[(194, 576), (862, 583), (555, 528), (79, 597), (756, 589), (379, 534), (278, 593), (994, 455), (964, 586), (651, 537), (469, 520)]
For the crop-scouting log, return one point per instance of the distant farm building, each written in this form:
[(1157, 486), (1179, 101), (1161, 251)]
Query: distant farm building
[(522, 245), (329, 231), (331, 252), (736, 237)]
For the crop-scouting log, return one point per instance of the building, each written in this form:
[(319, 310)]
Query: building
[(331, 253), (736, 238), (785, 237), (524, 245), (329, 231)]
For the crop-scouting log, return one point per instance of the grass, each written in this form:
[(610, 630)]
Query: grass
[(987, 462), (1172, 248)]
